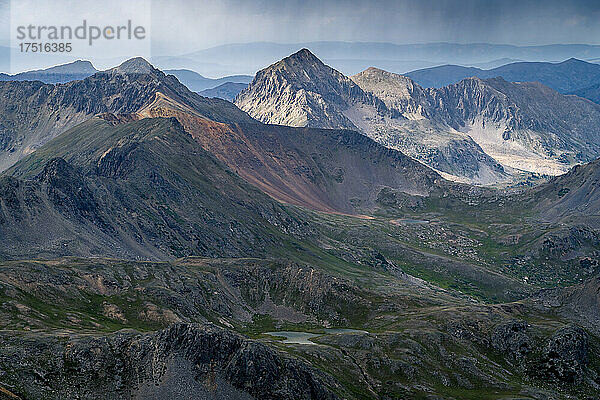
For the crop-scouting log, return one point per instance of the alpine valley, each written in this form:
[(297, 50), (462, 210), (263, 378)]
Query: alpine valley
[(322, 237)]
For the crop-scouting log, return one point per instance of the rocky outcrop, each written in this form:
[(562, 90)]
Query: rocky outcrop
[(514, 339), (181, 362), (98, 294), (565, 356), (561, 357), (579, 303), (302, 91)]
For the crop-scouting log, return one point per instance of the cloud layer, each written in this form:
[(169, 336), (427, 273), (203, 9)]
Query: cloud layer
[(212, 22)]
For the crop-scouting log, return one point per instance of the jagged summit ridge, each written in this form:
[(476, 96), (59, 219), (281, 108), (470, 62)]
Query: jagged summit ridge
[(136, 65), (300, 90), (125, 89), (303, 55), (475, 130)]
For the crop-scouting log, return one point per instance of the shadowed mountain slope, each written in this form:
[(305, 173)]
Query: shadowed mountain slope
[(32, 113), (326, 170), (575, 194), (142, 189), (195, 361), (591, 93)]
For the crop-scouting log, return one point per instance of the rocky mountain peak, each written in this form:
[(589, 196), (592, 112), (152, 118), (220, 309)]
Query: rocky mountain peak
[(373, 74), (374, 71), (302, 69), (137, 65), (300, 90), (303, 55), (75, 67), (381, 82)]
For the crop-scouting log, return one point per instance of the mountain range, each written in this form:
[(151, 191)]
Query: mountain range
[(34, 113), (157, 243), (476, 130), (197, 83), (570, 76), (322, 170), (79, 70), (226, 91), (349, 57), (353, 57), (76, 70)]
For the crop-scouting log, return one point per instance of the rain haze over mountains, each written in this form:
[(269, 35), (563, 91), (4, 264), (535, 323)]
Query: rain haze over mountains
[(262, 26), (300, 200)]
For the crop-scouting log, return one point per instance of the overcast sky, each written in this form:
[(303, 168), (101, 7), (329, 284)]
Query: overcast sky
[(180, 24), (183, 26)]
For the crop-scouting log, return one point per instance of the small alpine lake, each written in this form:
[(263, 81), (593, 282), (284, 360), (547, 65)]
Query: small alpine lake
[(298, 337)]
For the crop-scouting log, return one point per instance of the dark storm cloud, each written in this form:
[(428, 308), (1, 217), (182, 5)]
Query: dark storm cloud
[(181, 25), (468, 18), (211, 22)]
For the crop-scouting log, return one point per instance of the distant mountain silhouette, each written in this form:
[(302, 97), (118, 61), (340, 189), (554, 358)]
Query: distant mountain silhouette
[(353, 57), (76, 70), (197, 83), (565, 77), (226, 91)]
